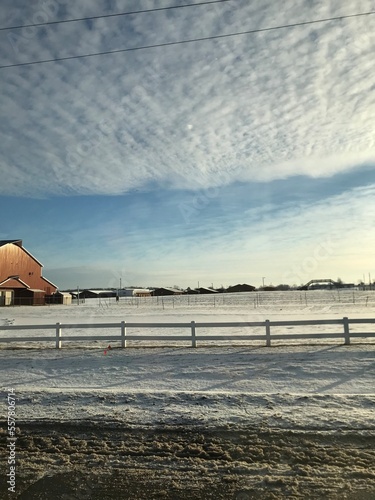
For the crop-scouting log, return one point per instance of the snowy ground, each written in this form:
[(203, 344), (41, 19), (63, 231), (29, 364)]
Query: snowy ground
[(248, 380), (271, 411)]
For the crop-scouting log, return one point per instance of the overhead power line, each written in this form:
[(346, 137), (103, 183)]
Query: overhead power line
[(180, 42), (104, 16)]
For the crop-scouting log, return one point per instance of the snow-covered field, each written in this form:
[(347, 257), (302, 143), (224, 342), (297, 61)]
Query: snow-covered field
[(295, 420), (243, 307)]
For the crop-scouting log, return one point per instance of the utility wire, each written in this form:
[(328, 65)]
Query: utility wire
[(180, 42), (111, 15)]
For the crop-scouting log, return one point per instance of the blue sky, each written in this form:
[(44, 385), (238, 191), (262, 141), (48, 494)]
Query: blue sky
[(221, 161)]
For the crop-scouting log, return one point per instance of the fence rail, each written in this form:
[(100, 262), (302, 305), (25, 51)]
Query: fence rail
[(123, 335)]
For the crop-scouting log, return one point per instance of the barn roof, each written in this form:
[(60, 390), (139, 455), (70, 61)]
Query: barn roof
[(239, 286), (15, 242), (203, 289), (13, 278), (48, 281)]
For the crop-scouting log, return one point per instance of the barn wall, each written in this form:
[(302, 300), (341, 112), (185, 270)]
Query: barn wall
[(15, 261)]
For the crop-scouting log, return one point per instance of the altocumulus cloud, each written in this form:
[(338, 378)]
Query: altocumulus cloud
[(264, 106)]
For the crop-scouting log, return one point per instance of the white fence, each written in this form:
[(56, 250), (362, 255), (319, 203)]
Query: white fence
[(288, 298), (123, 328)]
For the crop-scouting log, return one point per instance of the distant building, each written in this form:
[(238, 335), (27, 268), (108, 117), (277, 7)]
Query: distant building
[(240, 288), (125, 292), (319, 284), (205, 290), (59, 298), (21, 280), (134, 292), (94, 294), (166, 291)]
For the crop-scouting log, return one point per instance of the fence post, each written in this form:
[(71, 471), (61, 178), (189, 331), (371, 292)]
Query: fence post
[(58, 336), (123, 334), (268, 333), (193, 340), (346, 330)]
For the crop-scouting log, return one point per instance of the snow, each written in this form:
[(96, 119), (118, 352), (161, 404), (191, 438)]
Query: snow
[(225, 420), (299, 383)]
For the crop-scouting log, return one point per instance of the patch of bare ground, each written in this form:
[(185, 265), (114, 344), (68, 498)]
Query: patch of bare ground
[(79, 461)]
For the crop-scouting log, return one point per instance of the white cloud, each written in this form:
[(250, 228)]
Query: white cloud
[(264, 106)]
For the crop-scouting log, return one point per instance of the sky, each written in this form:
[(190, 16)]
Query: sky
[(241, 159)]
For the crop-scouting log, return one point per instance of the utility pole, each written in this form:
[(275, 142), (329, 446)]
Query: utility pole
[(263, 278)]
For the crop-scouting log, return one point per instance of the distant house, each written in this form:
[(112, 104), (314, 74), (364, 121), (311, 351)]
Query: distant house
[(166, 291), (21, 280), (240, 288)]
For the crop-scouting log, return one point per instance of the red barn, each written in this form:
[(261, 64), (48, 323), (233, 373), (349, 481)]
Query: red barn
[(22, 272)]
